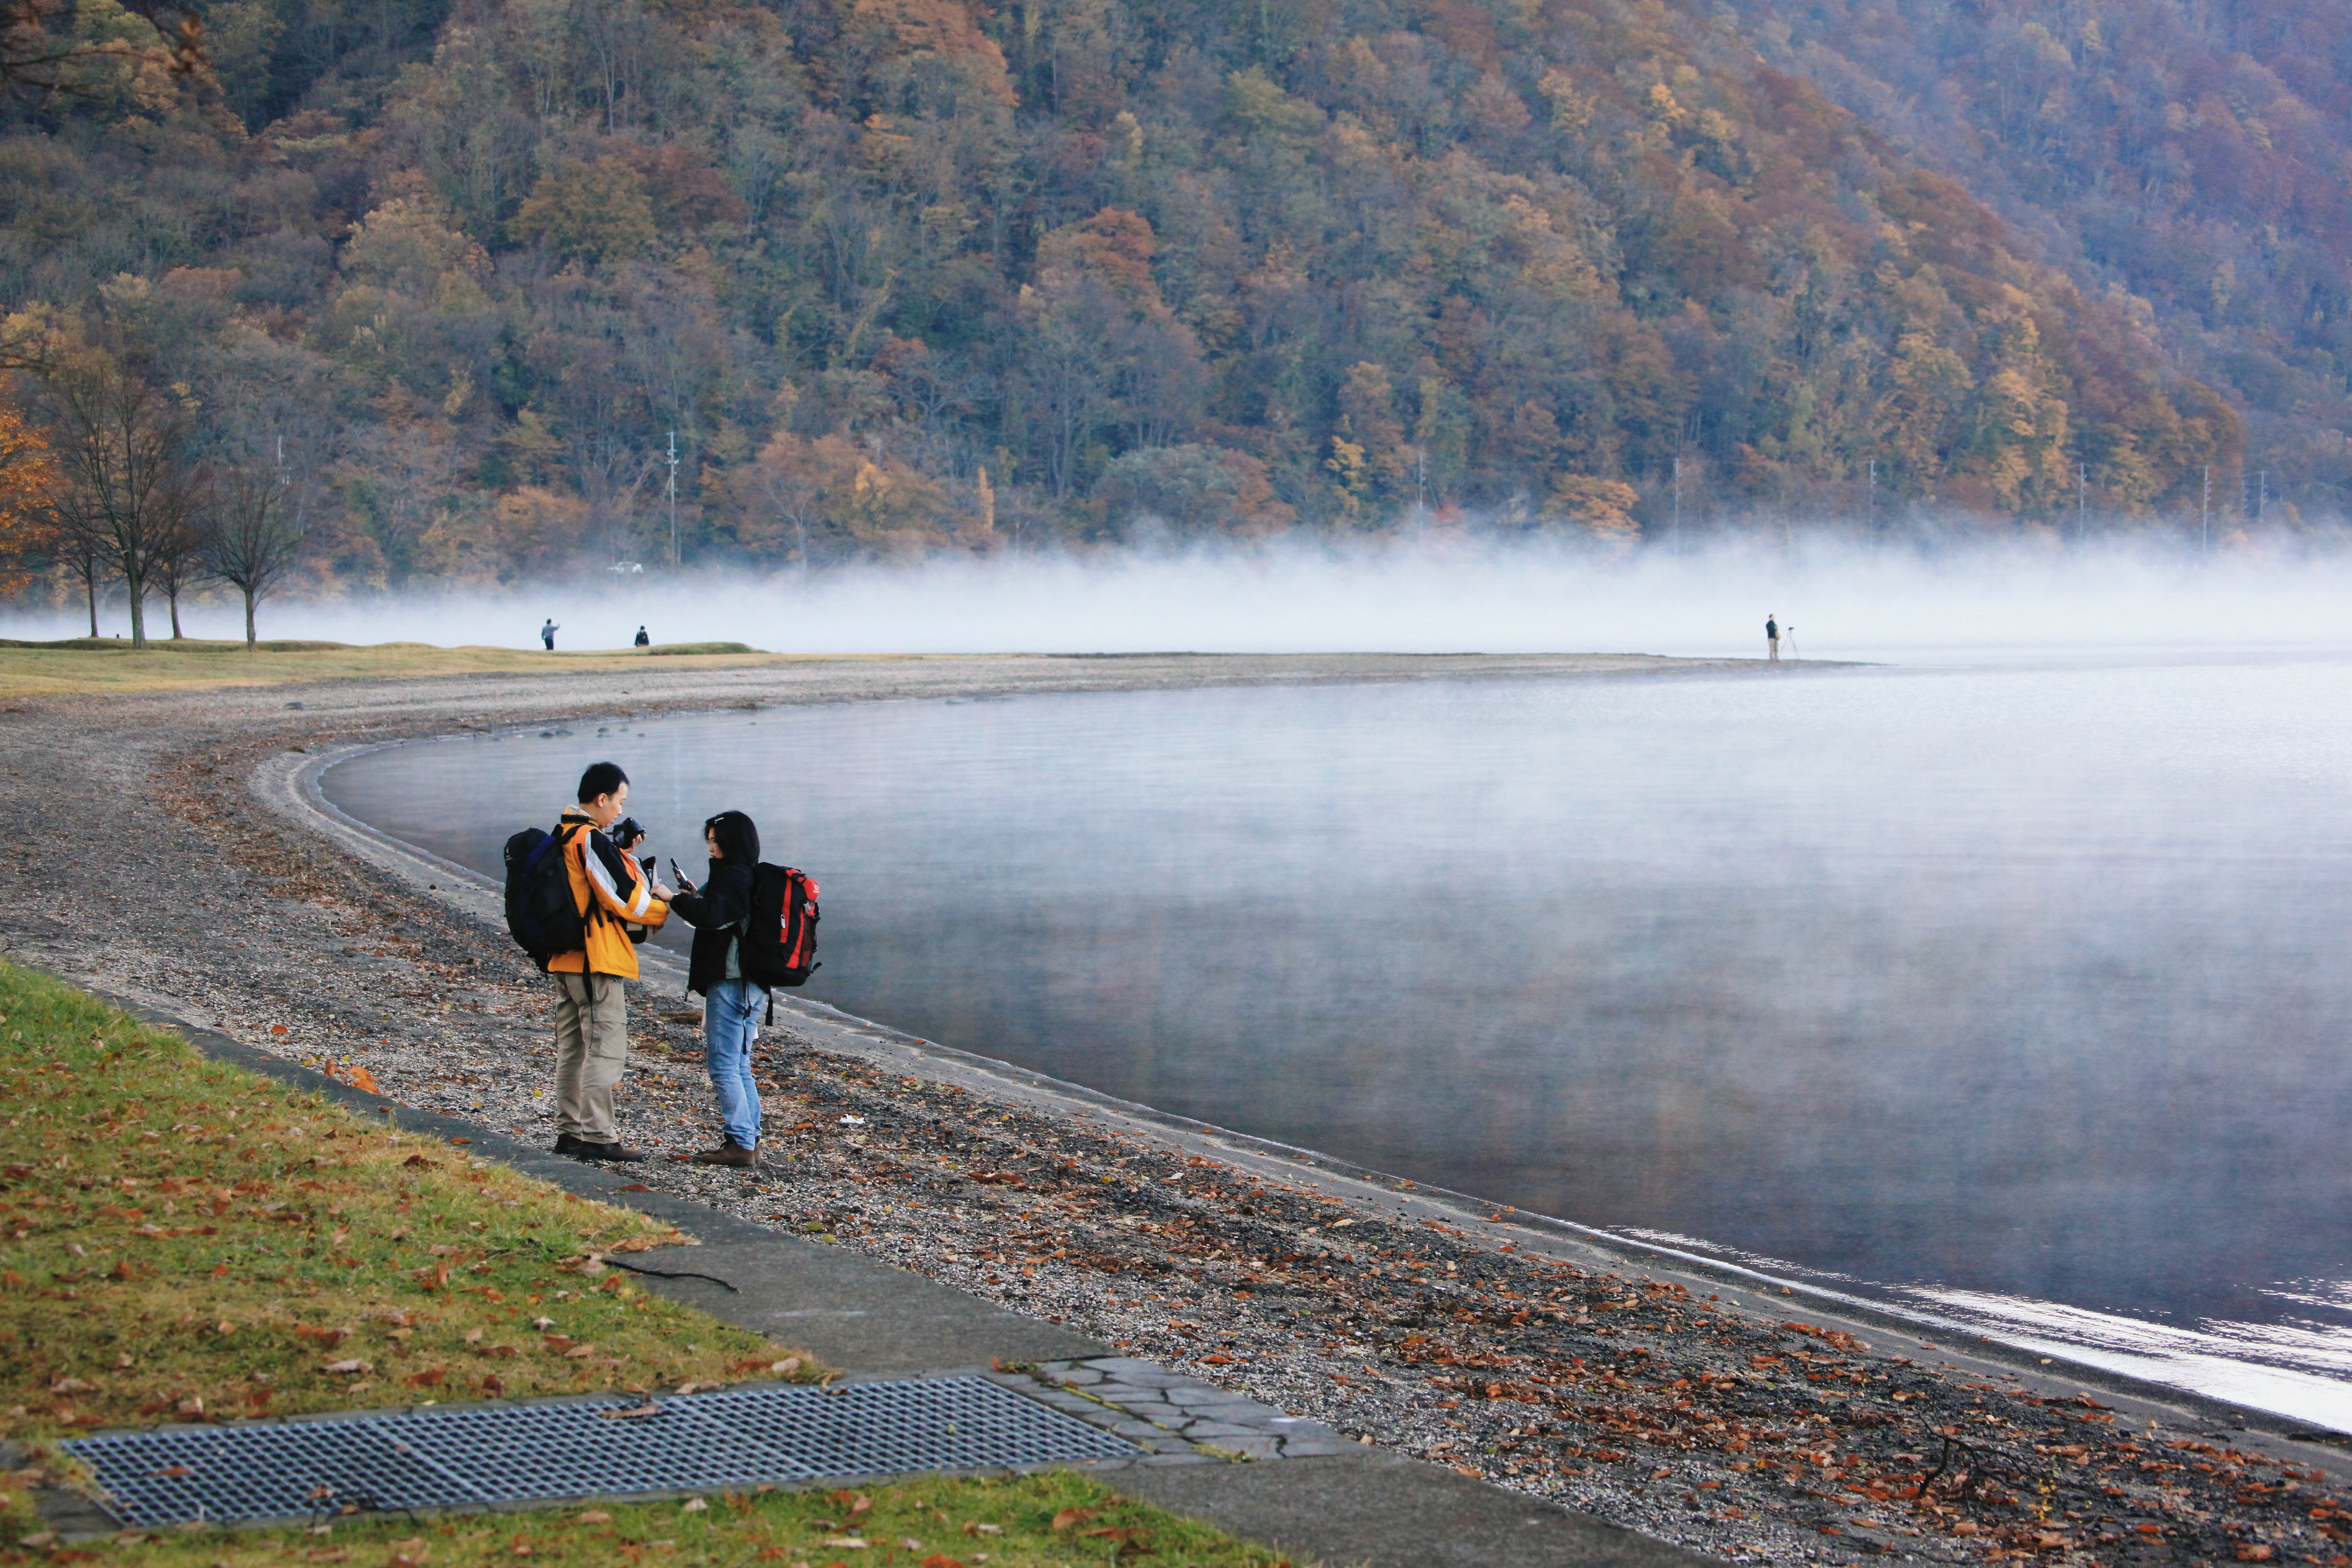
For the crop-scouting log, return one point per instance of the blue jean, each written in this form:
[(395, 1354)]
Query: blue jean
[(730, 1026)]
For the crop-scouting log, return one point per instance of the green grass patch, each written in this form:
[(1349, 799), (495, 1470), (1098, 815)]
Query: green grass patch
[(700, 648), (190, 1241), (1026, 1521)]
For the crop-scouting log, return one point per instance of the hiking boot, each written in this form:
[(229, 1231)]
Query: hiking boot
[(616, 1152), (565, 1143), (729, 1152)]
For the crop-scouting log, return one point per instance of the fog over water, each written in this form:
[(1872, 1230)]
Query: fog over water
[(1431, 595), (2010, 987)]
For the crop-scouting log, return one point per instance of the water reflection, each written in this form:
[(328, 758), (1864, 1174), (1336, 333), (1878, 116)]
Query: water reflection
[(2021, 985)]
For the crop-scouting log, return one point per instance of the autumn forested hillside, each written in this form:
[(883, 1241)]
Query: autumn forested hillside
[(912, 276)]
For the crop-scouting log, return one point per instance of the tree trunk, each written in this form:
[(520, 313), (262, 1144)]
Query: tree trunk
[(90, 586), (138, 587), (177, 635), (249, 645)]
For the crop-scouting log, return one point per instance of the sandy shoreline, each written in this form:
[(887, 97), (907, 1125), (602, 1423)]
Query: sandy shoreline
[(164, 857)]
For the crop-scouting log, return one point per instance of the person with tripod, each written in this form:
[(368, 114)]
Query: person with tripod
[(1771, 638)]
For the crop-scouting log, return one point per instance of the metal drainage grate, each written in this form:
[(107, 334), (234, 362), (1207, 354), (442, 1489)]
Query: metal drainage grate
[(493, 1454)]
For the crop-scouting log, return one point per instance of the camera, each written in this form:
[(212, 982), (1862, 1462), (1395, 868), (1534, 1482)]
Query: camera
[(627, 833)]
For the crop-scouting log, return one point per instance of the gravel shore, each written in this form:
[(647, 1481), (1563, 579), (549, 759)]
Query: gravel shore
[(150, 865)]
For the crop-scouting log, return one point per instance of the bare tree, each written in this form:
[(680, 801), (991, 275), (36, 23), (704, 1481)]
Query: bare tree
[(789, 494), (128, 484), (78, 553), (254, 529), (180, 563)]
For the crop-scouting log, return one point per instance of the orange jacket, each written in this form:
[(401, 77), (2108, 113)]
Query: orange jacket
[(611, 893)]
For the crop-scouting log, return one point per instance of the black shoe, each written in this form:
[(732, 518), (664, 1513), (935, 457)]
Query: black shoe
[(567, 1144), (620, 1153)]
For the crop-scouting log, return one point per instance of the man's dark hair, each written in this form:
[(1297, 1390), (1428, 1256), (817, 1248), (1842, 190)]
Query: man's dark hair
[(738, 838), (601, 778)]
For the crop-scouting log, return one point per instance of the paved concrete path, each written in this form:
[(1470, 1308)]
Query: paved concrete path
[(1210, 1453)]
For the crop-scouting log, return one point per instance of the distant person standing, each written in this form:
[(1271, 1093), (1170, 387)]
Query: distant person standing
[(1771, 639), (547, 634), (643, 640)]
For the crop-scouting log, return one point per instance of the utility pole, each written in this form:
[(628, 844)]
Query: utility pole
[(2205, 537), (673, 498)]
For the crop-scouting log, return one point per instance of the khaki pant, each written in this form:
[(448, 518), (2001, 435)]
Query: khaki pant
[(592, 1047), (1774, 645)]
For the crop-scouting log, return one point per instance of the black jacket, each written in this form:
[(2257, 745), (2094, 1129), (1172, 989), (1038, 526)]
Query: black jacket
[(717, 911)]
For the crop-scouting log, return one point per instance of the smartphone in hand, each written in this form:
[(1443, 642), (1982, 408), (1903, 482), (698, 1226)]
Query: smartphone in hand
[(682, 880)]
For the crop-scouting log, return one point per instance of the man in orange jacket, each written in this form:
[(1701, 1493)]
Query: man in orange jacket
[(591, 1011)]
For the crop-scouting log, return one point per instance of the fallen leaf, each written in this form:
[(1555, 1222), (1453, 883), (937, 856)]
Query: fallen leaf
[(593, 1516), (1070, 1516), (695, 1505), (576, 1351), (353, 1365), (637, 1413)]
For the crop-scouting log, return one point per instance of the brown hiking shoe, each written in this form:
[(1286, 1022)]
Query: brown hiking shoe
[(729, 1152)]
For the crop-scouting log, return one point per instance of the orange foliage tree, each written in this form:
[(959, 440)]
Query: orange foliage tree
[(27, 482)]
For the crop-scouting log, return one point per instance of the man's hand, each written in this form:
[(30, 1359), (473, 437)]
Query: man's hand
[(664, 894)]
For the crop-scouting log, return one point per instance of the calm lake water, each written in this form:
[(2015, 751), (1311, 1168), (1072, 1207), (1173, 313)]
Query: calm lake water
[(2016, 994)]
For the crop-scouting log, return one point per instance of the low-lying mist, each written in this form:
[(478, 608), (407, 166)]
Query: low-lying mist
[(1837, 600)]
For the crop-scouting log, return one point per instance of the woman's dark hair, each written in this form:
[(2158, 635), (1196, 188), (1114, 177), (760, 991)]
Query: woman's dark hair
[(601, 778), (736, 836)]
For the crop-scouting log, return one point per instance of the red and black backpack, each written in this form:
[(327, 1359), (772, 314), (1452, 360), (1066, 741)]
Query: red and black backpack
[(779, 944)]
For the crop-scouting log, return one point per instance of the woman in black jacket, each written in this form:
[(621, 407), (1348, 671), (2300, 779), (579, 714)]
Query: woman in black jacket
[(719, 912)]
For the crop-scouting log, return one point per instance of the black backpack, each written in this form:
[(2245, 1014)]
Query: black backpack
[(779, 943), (542, 915)]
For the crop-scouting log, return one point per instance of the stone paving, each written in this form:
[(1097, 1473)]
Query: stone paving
[(1174, 1418)]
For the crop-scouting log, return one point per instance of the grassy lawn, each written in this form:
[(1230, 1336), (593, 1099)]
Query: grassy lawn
[(84, 666), (187, 1241), (1026, 1521)]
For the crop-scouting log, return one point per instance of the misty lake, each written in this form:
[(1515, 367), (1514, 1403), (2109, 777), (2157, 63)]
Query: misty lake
[(2017, 996)]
